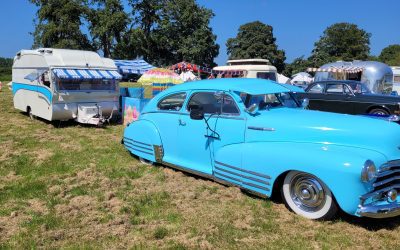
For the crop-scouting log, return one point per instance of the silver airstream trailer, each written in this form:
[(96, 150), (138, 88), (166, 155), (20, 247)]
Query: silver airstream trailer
[(378, 76), (60, 84)]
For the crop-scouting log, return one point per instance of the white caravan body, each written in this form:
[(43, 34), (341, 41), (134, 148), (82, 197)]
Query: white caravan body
[(396, 78), (60, 84), (253, 68)]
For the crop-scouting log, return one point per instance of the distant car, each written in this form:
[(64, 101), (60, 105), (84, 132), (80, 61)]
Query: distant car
[(254, 134), (349, 97)]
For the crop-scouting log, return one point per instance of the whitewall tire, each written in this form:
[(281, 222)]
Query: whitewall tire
[(145, 162), (308, 196)]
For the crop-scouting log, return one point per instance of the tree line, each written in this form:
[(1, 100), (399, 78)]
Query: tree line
[(165, 32)]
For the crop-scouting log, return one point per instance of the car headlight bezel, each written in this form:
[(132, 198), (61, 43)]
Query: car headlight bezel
[(368, 172)]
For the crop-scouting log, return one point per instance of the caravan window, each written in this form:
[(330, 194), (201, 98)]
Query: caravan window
[(267, 75), (86, 85)]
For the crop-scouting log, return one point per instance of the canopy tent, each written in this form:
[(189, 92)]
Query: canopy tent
[(86, 74), (283, 79), (159, 75), (187, 76), (190, 66), (301, 77), (342, 69), (133, 66)]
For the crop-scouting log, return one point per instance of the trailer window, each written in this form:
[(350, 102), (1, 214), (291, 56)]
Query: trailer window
[(267, 75), (86, 85)]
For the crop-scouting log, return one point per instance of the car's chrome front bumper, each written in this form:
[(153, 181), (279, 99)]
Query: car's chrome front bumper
[(380, 211)]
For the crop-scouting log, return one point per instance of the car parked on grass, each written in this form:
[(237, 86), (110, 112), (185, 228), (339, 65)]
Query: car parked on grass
[(349, 97), (254, 134)]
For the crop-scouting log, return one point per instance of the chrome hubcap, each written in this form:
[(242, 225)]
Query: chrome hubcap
[(307, 192)]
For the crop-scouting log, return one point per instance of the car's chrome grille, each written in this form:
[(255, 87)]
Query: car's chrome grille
[(388, 178), (388, 175)]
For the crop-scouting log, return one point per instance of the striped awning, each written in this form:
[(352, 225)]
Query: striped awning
[(344, 69), (133, 66), (87, 74)]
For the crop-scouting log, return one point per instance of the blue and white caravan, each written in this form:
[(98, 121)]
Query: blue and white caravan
[(59, 84)]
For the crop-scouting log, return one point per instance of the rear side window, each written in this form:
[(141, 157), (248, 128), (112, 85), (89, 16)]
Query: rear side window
[(213, 103), (334, 88), (317, 88), (172, 102)]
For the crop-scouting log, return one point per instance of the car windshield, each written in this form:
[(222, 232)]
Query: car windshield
[(268, 101), (86, 85)]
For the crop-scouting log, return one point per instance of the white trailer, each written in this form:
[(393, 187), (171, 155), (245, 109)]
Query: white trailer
[(60, 84), (252, 68)]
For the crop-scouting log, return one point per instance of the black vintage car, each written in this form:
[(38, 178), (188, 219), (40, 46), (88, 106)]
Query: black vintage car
[(349, 97)]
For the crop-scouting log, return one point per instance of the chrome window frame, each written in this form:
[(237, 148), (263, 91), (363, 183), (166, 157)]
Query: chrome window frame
[(214, 91), (165, 97)]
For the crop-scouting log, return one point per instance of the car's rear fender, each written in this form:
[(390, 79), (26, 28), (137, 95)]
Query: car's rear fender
[(142, 138), (339, 167)]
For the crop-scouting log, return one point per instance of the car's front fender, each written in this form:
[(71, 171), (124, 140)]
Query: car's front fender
[(339, 167)]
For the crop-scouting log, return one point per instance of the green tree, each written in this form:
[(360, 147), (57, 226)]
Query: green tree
[(107, 22), (58, 24), (256, 40), (298, 65), (170, 31), (391, 55), (341, 41)]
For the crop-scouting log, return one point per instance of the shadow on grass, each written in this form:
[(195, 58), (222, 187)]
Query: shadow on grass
[(72, 123)]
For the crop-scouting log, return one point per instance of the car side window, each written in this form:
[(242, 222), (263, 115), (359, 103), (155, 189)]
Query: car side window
[(213, 103), (172, 102), (347, 89), (317, 88), (334, 88)]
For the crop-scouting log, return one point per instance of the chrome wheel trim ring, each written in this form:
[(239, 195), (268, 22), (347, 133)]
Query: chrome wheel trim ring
[(307, 192), (379, 112)]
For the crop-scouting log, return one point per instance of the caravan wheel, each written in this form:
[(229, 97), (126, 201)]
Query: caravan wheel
[(32, 116)]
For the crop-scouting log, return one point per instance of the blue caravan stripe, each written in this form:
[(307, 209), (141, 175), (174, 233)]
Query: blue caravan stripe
[(40, 89)]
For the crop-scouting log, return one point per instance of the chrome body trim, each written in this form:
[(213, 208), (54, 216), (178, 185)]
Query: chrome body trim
[(212, 177), (377, 193), (159, 153), (387, 179), (379, 211), (261, 128), (255, 185), (127, 139), (242, 176), (380, 183), (134, 149), (243, 170)]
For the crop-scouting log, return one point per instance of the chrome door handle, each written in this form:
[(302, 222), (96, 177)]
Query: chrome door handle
[(182, 123)]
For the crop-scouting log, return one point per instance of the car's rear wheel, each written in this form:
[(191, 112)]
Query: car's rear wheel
[(145, 162), (308, 196), (378, 111)]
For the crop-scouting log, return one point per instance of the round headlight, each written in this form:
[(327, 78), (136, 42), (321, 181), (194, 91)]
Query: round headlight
[(368, 172)]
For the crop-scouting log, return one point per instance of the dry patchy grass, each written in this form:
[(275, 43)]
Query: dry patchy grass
[(77, 187)]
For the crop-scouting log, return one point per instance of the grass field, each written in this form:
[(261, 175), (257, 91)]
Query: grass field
[(77, 187)]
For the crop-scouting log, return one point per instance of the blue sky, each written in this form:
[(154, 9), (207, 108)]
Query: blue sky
[(297, 23)]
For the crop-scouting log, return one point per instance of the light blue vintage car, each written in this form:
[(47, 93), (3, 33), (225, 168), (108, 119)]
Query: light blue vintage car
[(253, 134)]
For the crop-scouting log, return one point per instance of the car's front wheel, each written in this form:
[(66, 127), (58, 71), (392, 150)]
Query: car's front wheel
[(308, 196)]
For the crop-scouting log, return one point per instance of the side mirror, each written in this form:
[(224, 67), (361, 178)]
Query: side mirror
[(196, 114), (252, 109), (304, 103)]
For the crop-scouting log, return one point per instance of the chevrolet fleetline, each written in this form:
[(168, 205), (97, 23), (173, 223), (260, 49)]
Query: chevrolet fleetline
[(254, 134)]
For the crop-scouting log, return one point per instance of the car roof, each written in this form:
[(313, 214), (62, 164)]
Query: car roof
[(340, 81), (247, 85)]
